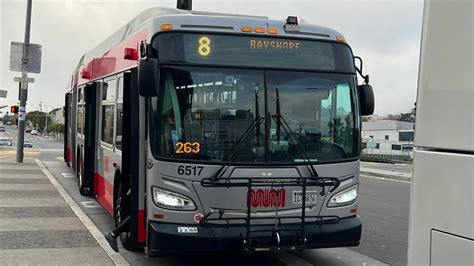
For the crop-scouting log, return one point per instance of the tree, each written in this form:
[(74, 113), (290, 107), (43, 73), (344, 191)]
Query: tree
[(408, 117), (38, 119), (392, 117), (56, 129)]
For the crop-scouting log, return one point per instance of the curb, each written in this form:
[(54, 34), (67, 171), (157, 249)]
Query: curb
[(394, 177)]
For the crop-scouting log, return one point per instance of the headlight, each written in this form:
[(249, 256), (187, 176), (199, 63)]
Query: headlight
[(345, 197), (173, 201)]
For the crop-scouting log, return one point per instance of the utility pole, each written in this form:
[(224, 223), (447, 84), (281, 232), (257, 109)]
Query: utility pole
[(24, 86), (46, 128)]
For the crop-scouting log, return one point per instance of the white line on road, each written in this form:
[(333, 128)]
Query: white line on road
[(68, 175), (99, 237), (386, 179)]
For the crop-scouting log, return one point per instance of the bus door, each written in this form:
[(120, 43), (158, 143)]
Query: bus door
[(132, 160), (90, 129), (67, 124)]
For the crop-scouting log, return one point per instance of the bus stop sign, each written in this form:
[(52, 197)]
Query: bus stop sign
[(34, 57)]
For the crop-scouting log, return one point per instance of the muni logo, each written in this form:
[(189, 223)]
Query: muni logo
[(267, 197)]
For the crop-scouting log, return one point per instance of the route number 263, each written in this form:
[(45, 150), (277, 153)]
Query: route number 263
[(188, 147)]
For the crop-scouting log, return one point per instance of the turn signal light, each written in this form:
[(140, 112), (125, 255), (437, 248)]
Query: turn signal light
[(340, 38), (246, 29), (158, 215), (166, 27)]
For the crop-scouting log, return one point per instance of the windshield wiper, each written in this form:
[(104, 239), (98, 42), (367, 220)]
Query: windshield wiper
[(314, 174), (255, 125), (257, 116), (240, 142), (278, 111), (279, 120)]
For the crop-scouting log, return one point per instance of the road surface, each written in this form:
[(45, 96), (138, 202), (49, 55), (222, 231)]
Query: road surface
[(403, 168)]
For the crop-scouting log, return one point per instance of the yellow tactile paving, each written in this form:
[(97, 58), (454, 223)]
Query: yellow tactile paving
[(12, 153)]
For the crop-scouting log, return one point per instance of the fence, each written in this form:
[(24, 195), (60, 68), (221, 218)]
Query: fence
[(385, 157)]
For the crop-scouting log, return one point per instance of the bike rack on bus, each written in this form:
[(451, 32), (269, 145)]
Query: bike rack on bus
[(209, 220)]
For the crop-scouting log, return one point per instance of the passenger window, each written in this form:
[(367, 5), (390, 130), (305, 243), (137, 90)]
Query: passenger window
[(108, 124), (118, 126), (80, 118), (109, 90), (118, 138), (120, 88)]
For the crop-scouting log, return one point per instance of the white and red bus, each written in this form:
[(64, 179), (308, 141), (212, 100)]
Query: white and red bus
[(221, 132)]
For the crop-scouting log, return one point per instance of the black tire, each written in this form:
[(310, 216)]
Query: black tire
[(80, 177), (120, 212)]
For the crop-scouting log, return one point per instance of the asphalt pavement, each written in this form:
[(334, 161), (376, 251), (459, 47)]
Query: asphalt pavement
[(384, 209)]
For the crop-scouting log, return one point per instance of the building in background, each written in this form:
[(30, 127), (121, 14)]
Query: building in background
[(57, 115), (388, 137)]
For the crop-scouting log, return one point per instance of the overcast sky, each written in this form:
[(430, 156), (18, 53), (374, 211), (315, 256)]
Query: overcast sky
[(386, 34)]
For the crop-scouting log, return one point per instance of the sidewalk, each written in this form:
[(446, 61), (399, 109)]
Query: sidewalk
[(385, 174), (37, 226)]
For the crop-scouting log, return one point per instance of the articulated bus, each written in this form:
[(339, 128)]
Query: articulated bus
[(221, 132), (441, 230)]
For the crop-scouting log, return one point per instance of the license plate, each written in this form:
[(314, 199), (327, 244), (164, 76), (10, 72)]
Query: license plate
[(311, 197)]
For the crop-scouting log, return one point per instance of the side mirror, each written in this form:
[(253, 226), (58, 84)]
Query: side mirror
[(148, 77), (366, 99)]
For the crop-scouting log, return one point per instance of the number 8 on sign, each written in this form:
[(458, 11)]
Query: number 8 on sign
[(204, 48)]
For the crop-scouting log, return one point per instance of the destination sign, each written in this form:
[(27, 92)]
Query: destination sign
[(253, 51), (263, 44)]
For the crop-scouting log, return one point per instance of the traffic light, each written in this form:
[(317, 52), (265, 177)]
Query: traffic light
[(14, 109)]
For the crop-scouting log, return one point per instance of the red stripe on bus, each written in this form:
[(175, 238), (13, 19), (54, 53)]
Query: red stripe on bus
[(68, 154), (141, 226), (111, 61), (104, 192)]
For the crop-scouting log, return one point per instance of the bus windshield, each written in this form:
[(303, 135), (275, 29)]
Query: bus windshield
[(201, 114)]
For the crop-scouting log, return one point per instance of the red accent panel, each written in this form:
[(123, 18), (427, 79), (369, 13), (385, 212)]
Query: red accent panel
[(104, 192), (86, 74), (130, 54), (68, 154), (114, 59), (141, 226)]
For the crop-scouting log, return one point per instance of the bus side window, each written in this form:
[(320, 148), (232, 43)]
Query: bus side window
[(118, 127), (80, 111), (80, 118), (108, 110)]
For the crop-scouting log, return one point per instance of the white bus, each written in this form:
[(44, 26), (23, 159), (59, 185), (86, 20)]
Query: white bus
[(441, 228)]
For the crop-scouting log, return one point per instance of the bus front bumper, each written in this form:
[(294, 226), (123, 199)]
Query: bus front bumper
[(168, 239)]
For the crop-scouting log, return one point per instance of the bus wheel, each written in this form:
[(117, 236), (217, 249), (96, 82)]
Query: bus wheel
[(119, 216), (80, 177)]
